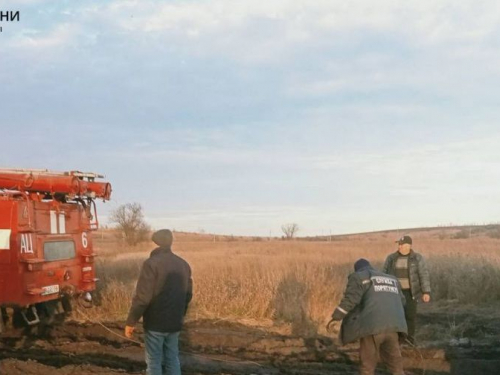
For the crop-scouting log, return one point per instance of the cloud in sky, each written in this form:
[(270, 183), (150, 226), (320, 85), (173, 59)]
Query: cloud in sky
[(238, 116)]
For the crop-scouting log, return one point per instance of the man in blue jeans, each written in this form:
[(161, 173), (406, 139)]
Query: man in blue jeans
[(162, 296)]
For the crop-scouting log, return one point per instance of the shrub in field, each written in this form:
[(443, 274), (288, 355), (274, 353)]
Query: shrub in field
[(290, 230), (463, 233), (129, 220), (467, 279), (494, 233)]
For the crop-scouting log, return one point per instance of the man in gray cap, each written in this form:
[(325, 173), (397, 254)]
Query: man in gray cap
[(372, 312), (162, 296), (411, 270)]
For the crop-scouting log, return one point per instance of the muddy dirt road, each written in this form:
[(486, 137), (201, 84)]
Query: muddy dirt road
[(219, 347)]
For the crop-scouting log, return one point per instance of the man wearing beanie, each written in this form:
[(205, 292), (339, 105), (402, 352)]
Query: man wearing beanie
[(161, 298), (410, 269), (372, 312)]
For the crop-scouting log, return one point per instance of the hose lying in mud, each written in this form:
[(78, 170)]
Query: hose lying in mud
[(142, 345)]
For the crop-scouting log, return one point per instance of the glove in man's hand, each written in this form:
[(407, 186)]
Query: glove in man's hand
[(129, 331)]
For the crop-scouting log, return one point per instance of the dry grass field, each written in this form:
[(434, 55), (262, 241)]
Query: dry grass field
[(297, 284)]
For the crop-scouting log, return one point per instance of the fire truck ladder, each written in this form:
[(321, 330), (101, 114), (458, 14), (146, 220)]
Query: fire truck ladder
[(72, 183)]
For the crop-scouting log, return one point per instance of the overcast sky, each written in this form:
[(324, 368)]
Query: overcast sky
[(236, 117)]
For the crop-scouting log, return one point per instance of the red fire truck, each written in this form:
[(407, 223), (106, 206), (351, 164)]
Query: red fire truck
[(46, 252)]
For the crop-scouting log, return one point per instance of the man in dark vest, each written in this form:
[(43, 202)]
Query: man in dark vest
[(372, 312), (162, 295)]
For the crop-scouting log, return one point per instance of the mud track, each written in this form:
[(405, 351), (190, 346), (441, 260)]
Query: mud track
[(218, 347)]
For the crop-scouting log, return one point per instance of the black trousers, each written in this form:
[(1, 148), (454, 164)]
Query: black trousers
[(410, 314)]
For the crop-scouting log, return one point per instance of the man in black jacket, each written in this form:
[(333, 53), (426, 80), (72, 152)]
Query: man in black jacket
[(372, 312), (411, 270), (162, 296)]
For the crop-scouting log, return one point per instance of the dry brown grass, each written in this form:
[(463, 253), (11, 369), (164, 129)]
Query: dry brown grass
[(296, 282)]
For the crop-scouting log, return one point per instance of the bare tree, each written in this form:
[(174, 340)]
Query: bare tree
[(130, 222), (290, 230)]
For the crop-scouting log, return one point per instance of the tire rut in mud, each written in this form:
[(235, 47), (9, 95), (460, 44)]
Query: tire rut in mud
[(58, 359)]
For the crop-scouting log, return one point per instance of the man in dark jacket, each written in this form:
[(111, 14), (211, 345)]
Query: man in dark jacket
[(162, 296), (372, 312), (410, 269)]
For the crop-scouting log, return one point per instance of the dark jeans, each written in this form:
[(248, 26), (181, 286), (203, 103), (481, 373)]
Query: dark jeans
[(410, 314), (385, 345)]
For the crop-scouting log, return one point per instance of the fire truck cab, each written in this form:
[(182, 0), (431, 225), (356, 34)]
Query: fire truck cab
[(46, 251)]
